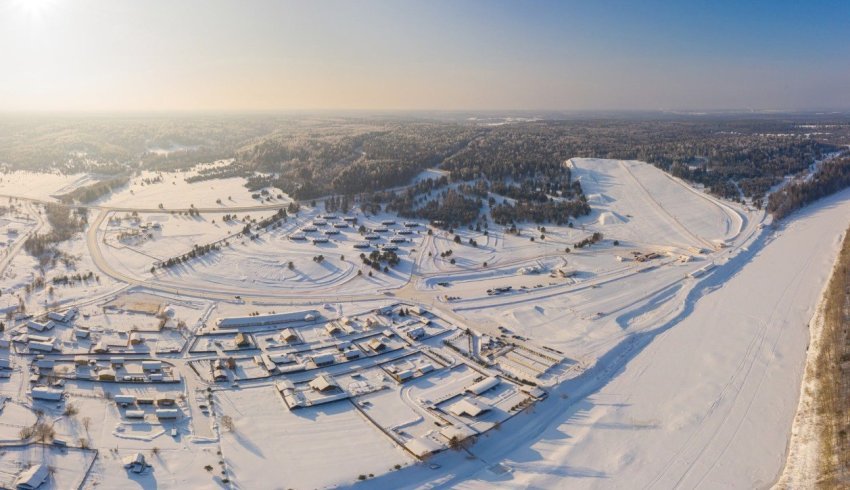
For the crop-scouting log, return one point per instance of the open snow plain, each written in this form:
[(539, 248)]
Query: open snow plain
[(667, 354)]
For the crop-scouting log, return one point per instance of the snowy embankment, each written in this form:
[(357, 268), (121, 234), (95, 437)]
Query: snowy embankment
[(801, 466), (705, 400)]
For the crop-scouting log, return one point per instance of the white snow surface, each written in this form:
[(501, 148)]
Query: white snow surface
[(645, 204), (668, 381), (703, 400)]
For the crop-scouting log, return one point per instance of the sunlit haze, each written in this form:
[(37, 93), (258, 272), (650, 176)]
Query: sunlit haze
[(86, 55)]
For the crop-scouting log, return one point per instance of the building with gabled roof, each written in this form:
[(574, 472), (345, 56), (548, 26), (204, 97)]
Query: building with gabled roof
[(32, 477), (323, 383), (468, 407), (484, 385)]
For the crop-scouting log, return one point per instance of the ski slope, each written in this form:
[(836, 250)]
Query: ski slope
[(644, 204)]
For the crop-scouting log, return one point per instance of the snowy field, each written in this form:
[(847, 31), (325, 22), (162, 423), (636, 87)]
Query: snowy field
[(258, 266), (146, 189), (170, 189), (696, 401), (39, 185), (640, 203), (667, 354), (266, 436)]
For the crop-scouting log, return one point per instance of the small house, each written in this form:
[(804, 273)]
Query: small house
[(34, 345), (323, 359), (152, 365), (65, 317), (289, 336), (32, 477), (124, 400), (165, 401), (40, 326), (167, 413), (483, 386), (351, 354), (468, 407), (135, 463), (241, 340), (324, 383), (44, 364), (403, 375), (377, 345), (45, 393), (426, 368), (333, 328)]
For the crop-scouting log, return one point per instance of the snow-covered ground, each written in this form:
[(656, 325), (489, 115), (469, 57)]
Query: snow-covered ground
[(171, 190), (640, 203), (266, 435), (40, 185), (705, 399), (671, 350), (146, 189)]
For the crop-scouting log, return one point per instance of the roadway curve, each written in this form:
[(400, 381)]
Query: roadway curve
[(207, 292)]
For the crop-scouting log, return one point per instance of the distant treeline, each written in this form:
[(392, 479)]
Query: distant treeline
[(733, 156), (92, 192), (831, 177)]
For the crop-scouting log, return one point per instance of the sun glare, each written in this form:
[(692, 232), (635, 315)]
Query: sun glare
[(35, 9)]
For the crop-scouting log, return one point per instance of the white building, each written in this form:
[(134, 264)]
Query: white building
[(65, 317), (40, 326), (45, 393), (468, 407), (167, 413), (324, 382), (260, 320), (32, 477), (484, 385), (322, 359)]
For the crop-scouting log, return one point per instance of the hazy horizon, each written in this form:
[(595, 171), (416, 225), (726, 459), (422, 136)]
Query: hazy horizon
[(121, 56)]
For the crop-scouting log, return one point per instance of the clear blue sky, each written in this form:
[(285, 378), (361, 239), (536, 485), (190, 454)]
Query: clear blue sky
[(99, 55)]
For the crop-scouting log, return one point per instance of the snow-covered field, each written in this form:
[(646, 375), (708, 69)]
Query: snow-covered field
[(705, 399), (146, 189), (40, 185), (266, 436), (170, 189), (640, 203), (669, 353)]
